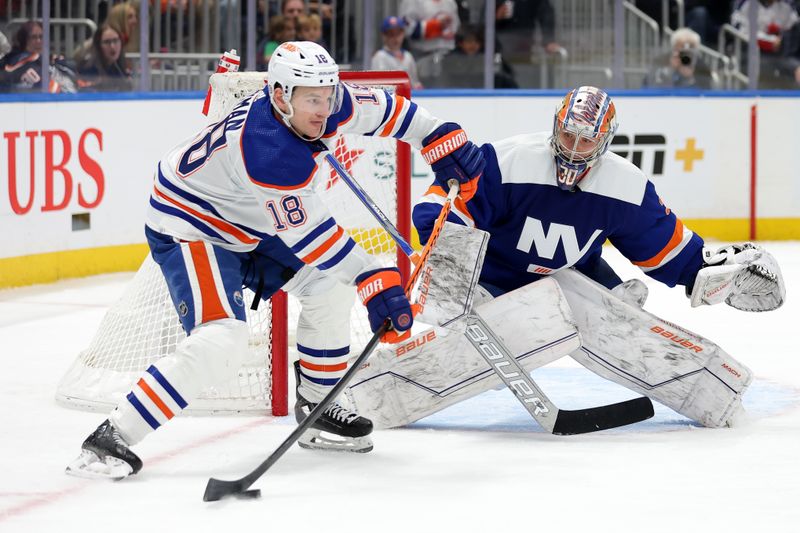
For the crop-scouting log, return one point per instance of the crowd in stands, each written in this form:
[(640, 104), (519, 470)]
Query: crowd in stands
[(440, 43), (99, 64), (778, 35)]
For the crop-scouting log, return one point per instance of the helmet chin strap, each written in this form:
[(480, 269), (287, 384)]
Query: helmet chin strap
[(287, 121)]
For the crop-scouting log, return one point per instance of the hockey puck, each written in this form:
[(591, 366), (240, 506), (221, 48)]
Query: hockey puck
[(251, 494)]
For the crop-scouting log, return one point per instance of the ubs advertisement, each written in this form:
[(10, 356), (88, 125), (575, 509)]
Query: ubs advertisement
[(77, 174)]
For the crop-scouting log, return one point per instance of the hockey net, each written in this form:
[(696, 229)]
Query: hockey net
[(143, 326)]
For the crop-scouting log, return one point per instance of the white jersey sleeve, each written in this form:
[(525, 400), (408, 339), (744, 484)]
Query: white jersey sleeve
[(376, 112)]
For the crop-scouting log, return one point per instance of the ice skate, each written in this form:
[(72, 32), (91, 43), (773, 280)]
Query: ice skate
[(105, 455), (338, 429)]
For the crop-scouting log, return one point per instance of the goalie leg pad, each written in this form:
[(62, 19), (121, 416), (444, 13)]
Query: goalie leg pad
[(644, 353), (439, 367)]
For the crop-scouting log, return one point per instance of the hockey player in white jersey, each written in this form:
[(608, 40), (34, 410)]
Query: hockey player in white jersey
[(235, 206), (549, 201)]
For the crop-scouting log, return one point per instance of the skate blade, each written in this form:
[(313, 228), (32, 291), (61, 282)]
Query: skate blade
[(313, 439), (88, 465)]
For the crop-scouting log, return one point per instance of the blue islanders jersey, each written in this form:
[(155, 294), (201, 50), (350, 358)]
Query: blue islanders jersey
[(537, 228), (248, 179)]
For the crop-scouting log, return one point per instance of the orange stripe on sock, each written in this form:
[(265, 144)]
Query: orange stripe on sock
[(324, 368), (209, 297), (154, 397)]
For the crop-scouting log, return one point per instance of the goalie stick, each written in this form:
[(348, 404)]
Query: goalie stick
[(555, 420), (544, 411), (217, 489)]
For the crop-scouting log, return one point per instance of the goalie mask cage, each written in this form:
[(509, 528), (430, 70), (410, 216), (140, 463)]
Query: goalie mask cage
[(143, 325)]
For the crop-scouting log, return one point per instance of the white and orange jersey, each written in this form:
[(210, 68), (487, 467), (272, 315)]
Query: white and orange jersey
[(538, 228), (431, 25), (248, 177)]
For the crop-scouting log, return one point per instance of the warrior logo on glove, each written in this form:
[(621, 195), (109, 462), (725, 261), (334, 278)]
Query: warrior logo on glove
[(382, 293), (452, 156)]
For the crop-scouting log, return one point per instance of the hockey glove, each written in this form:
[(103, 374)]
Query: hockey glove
[(744, 276), (452, 156), (382, 293)]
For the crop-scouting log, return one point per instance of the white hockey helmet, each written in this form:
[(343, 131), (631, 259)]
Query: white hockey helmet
[(583, 127), (301, 64)]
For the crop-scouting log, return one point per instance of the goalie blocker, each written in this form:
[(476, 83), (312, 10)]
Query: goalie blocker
[(572, 316)]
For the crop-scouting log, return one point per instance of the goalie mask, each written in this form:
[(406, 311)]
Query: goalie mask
[(304, 64), (583, 127)]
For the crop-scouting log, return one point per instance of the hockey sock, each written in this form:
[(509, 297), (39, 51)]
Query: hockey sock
[(212, 353)]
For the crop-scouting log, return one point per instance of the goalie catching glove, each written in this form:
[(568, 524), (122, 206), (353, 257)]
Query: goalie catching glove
[(744, 276), (452, 156), (382, 293)]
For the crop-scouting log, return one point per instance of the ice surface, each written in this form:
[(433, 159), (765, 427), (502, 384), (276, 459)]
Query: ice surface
[(482, 465)]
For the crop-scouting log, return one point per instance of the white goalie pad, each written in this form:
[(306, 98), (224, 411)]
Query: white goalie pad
[(448, 283), (644, 353), (744, 276), (439, 367)]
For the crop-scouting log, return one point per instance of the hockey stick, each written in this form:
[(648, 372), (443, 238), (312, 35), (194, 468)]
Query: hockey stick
[(545, 412), (373, 208), (217, 489)]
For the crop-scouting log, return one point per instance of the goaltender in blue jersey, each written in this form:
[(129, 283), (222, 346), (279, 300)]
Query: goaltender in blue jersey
[(550, 201)]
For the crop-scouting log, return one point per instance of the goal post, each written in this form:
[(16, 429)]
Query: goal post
[(143, 326)]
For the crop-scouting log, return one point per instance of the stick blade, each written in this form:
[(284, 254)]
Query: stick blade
[(603, 417), (216, 489)]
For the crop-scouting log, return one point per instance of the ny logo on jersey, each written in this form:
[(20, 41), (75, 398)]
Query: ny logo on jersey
[(547, 243)]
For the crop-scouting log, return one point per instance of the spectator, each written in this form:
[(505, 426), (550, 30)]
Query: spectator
[(778, 38), (431, 26), (309, 28), (706, 18), (470, 44), (106, 70), (703, 16), (123, 18), (515, 23), (293, 8), (464, 66), (21, 68), (281, 29), (393, 56), (683, 69)]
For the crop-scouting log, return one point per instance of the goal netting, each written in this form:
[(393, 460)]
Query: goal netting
[(143, 326)]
